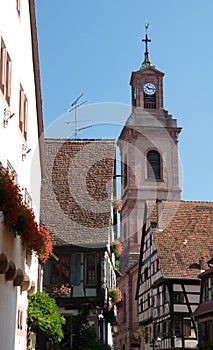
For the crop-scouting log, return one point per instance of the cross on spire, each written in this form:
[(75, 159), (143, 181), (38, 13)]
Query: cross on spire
[(146, 40), (146, 62)]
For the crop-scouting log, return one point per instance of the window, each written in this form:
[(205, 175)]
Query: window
[(182, 327), (205, 291), (187, 328), (60, 270), (177, 327), (178, 297), (19, 319), (141, 304), (146, 274), (19, 325), (149, 299), (23, 113), (91, 269), (5, 72), (153, 165)]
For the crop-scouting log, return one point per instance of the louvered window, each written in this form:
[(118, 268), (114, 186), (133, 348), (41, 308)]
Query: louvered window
[(153, 165)]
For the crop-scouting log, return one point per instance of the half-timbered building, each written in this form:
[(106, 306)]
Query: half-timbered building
[(176, 244), (76, 205), (204, 312)]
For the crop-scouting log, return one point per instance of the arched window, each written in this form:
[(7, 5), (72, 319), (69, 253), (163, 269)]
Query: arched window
[(153, 165)]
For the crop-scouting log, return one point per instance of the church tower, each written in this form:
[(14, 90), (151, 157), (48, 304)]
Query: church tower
[(149, 155)]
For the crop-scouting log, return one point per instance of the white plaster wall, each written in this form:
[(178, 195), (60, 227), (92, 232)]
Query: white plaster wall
[(16, 34), (17, 38)]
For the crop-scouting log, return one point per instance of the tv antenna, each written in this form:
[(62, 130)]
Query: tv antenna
[(74, 106)]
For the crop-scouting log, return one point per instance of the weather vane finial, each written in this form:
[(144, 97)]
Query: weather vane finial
[(146, 62)]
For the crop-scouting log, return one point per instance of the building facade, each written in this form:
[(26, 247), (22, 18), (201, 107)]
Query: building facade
[(175, 247), (204, 312), (77, 207), (21, 131)]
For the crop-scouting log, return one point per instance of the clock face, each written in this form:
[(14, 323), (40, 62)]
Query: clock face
[(149, 89)]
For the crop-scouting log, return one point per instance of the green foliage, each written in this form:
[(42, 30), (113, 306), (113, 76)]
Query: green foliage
[(43, 317), (117, 264), (205, 345), (84, 335)]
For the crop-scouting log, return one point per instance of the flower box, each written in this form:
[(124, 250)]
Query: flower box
[(21, 219)]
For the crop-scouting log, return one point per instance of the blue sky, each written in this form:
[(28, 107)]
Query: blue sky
[(92, 47)]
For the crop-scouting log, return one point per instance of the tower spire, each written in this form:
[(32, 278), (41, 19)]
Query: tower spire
[(146, 63)]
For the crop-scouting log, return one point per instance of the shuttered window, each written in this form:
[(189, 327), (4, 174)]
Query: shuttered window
[(153, 165), (187, 328), (91, 269), (23, 113), (5, 72), (60, 270), (76, 269)]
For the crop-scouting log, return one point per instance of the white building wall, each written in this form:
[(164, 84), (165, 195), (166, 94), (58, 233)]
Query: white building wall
[(16, 33)]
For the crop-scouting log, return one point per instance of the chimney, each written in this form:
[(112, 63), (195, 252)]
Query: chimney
[(159, 207), (202, 264)]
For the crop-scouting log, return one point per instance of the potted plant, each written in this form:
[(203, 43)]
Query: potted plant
[(117, 204), (62, 291), (117, 248), (116, 297)]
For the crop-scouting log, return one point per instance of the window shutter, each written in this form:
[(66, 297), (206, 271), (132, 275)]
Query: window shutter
[(9, 75), (21, 105), (3, 71), (25, 118), (153, 165), (76, 269), (187, 328)]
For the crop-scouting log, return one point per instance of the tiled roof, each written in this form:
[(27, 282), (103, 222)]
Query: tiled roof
[(203, 309), (77, 192), (186, 237)]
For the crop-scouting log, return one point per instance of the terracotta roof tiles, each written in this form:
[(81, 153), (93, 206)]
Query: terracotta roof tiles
[(185, 238), (77, 192)]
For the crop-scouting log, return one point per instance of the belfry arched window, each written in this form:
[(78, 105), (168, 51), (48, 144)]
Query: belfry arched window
[(153, 165)]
